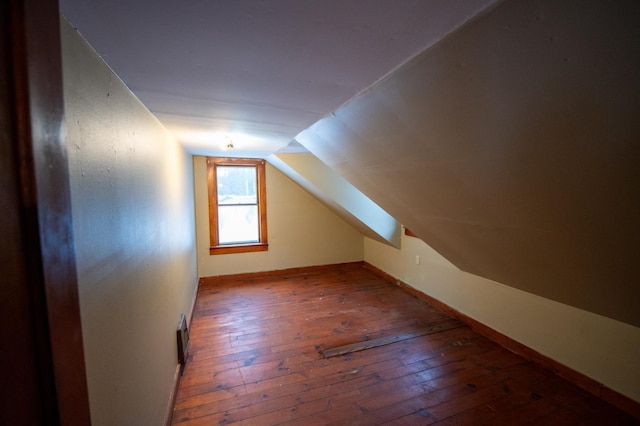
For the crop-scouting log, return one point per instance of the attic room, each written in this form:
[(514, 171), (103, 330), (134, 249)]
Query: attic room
[(502, 134)]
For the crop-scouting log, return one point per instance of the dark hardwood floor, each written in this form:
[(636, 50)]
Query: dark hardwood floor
[(256, 359)]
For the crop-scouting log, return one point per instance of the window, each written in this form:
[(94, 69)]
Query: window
[(237, 205)]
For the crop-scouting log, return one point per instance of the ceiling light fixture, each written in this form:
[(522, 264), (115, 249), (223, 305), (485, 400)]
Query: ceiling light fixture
[(229, 145)]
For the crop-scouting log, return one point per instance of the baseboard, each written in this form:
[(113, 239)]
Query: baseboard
[(168, 417), (289, 271), (192, 308), (588, 384)]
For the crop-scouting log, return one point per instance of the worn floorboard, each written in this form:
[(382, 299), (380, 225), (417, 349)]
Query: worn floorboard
[(256, 358), (393, 338)]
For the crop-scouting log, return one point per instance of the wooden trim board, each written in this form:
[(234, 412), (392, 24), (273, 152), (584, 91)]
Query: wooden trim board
[(387, 340), (253, 275), (42, 333), (168, 416)]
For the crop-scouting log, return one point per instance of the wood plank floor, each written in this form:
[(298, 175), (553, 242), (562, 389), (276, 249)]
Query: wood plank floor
[(255, 359)]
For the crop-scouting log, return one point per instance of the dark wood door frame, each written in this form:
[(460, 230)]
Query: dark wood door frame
[(44, 381)]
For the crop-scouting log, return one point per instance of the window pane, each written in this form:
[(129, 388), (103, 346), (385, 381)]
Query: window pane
[(238, 224), (236, 184)]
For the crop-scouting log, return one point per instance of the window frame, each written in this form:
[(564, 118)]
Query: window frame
[(261, 192)]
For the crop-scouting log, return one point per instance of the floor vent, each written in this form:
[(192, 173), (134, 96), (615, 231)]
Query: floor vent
[(183, 340)]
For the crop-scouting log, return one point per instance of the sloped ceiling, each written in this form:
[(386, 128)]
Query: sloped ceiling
[(510, 143), (342, 197), (256, 72), (513, 148)]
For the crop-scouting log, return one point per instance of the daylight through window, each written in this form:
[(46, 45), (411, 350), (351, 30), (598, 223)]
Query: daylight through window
[(237, 205)]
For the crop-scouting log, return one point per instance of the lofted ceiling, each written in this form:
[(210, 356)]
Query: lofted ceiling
[(504, 133), (512, 147), (257, 72)]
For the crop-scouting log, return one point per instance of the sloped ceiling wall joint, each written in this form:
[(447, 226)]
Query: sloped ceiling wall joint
[(511, 148)]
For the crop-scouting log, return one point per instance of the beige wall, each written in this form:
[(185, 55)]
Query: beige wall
[(601, 348), (511, 147), (133, 217), (302, 231)]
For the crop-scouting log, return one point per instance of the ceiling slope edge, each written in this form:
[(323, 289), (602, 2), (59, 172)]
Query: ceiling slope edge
[(510, 147), (339, 196)]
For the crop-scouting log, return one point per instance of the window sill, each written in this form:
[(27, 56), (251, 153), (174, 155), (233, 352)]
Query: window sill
[(238, 248)]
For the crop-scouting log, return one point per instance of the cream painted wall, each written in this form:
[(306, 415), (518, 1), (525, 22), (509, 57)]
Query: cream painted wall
[(302, 231), (132, 201), (339, 195), (599, 347), (510, 155)]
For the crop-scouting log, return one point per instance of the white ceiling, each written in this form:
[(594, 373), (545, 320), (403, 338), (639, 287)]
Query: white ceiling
[(257, 72), (514, 147)]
